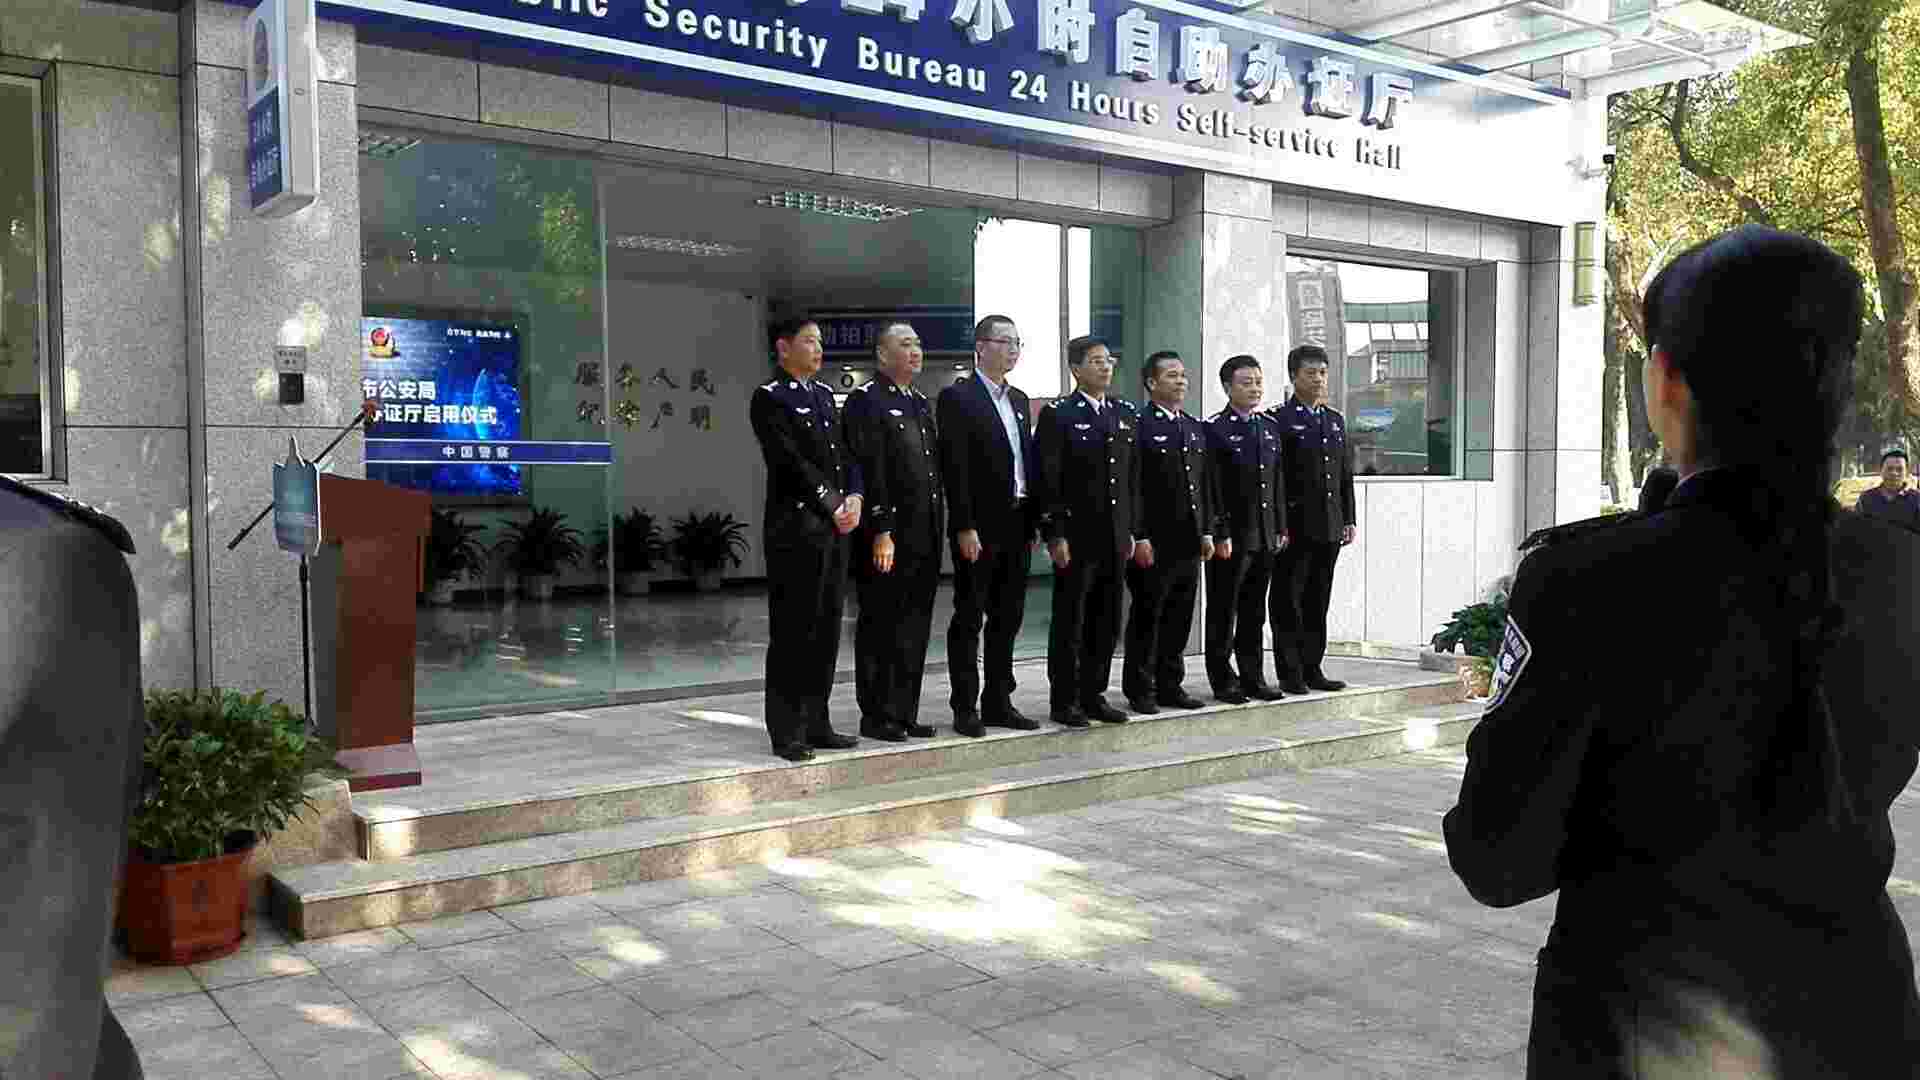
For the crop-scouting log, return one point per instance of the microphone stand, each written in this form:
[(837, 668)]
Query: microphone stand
[(364, 418)]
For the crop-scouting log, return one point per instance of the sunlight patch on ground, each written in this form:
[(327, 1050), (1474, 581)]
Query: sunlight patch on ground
[(993, 823), (1190, 981), (720, 716), (1421, 734)]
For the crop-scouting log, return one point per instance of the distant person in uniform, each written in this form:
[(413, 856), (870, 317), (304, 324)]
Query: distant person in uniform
[(986, 450), (1084, 447), (896, 559), (1715, 821), (1173, 528), (1318, 459), (813, 502), (1893, 500), (1244, 453)]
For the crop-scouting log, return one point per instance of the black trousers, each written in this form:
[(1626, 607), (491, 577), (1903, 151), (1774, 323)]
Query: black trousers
[(990, 592), (1158, 624), (806, 584), (1085, 626), (1302, 589), (1236, 617), (890, 638)]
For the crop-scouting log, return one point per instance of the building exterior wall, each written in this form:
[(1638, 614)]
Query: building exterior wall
[(172, 297)]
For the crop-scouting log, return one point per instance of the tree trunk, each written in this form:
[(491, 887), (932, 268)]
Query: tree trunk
[(1614, 463), (1877, 199)]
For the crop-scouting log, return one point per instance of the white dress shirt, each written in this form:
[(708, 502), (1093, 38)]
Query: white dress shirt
[(1003, 404)]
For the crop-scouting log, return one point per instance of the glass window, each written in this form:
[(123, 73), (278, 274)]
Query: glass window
[(1392, 354), (25, 389)]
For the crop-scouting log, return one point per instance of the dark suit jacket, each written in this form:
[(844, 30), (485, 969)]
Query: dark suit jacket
[(1177, 499), (891, 431), (976, 461), (1644, 799), (1088, 483), (1318, 460), (1248, 480)]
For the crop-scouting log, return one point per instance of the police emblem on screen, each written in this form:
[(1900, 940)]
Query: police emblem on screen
[(1515, 651)]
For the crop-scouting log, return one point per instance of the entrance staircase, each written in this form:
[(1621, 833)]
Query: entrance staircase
[(446, 859)]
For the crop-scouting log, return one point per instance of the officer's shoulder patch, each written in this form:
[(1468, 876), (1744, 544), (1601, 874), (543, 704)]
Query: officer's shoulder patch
[(773, 385), (1573, 530), (1515, 651), (1054, 404), (75, 510)]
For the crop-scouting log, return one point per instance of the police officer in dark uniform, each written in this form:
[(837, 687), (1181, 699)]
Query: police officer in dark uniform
[(813, 502), (1245, 457), (896, 560), (1084, 444), (1173, 530), (1319, 468), (72, 725), (1893, 500), (1716, 824)]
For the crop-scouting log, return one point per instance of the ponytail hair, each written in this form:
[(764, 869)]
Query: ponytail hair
[(1763, 326)]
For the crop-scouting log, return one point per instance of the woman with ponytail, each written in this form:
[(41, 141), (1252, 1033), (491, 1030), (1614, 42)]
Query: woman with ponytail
[(1703, 711)]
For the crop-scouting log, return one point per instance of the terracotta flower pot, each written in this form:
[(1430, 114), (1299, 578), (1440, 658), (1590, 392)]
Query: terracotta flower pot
[(185, 913)]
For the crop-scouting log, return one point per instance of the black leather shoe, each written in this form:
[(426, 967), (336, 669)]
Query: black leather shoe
[(1103, 712), (1230, 697), (968, 724), (832, 740), (1293, 686), (1142, 705), (920, 731), (1069, 717), (1011, 719), (1321, 682), (1180, 699), (1263, 692), (796, 752), (883, 732)]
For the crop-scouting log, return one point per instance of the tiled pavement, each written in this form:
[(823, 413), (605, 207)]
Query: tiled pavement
[(1301, 925)]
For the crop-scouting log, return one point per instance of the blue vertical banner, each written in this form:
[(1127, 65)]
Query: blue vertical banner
[(296, 504), (283, 135)]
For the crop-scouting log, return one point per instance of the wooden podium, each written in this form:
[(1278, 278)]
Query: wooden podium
[(365, 579)]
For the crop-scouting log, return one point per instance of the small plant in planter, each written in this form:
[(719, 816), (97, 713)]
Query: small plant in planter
[(1477, 631), (452, 554), (636, 542), (223, 771), (706, 544), (536, 548)]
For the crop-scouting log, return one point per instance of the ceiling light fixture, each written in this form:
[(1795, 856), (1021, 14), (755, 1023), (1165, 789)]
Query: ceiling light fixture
[(375, 145), (674, 246), (835, 205)]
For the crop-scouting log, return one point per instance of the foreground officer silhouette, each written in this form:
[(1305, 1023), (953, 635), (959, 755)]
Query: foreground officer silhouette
[(1715, 819), (72, 725)]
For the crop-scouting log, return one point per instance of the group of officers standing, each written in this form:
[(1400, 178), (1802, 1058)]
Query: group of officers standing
[(1263, 500)]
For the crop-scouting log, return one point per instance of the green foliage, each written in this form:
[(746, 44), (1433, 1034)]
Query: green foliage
[(708, 541), (1477, 628), (541, 544), (452, 551), (218, 763), (636, 542)]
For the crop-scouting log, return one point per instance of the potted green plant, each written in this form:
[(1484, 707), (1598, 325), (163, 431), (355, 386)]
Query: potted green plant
[(1477, 631), (452, 554), (706, 544), (633, 543), (223, 771), (536, 548)]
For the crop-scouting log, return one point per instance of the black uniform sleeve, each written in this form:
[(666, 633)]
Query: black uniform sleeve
[(950, 421), (773, 425), (1049, 450), (1209, 485), (1280, 478), (1524, 759), (856, 480), (1138, 477), (1346, 475), (866, 435)]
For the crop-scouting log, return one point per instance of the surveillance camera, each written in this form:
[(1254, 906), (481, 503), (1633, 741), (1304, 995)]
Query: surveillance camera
[(1606, 154)]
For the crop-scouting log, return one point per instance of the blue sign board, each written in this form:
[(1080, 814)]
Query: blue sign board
[(296, 504), (456, 452), (266, 164), (283, 139), (1140, 77), (441, 380)]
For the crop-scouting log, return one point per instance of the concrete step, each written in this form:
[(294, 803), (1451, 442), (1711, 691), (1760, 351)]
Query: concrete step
[(334, 898), (389, 831)]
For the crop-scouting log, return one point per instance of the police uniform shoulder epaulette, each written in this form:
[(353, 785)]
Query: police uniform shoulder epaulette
[(1130, 406), (1054, 404), (1574, 530), (74, 509)]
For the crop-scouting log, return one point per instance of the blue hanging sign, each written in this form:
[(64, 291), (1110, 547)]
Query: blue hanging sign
[(296, 504), (1166, 80), (283, 139)]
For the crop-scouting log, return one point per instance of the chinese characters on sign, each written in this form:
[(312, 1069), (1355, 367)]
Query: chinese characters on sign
[(401, 402)]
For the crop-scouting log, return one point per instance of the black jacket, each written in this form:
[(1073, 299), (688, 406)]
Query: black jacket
[(976, 462), (1176, 497), (892, 434), (1639, 794), (1319, 467), (1902, 509), (1245, 455), (1086, 473), (809, 469)]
